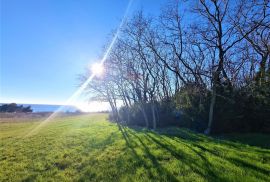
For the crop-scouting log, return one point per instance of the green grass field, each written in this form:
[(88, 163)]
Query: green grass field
[(89, 148)]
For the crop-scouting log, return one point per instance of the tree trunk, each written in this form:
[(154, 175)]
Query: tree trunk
[(154, 115), (262, 71), (144, 116), (211, 110), (214, 95), (114, 111)]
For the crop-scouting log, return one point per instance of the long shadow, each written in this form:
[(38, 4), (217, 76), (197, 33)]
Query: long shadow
[(130, 146), (234, 161), (237, 161), (196, 137), (194, 140), (123, 132), (207, 164), (258, 140), (183, 157), (187, 159), (128, 140), (154, 161)]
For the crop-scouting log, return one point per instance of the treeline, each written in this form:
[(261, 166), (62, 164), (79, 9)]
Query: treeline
[(13, 107), (201, 64)]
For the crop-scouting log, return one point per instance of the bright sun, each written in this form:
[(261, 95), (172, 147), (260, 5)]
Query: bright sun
[(97, 69)]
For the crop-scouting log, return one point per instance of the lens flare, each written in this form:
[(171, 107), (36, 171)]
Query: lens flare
[(79, 91), (97, 69)]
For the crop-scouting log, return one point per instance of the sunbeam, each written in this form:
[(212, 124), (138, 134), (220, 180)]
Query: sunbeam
[(72, 99)]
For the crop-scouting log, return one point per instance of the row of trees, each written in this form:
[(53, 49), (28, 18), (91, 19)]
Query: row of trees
[(13, 107), (192, 65)]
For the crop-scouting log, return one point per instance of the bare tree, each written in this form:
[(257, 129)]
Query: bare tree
[(218, 32)]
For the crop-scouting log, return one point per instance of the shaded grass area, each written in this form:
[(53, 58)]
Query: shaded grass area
[(88, 148), (258, 139)]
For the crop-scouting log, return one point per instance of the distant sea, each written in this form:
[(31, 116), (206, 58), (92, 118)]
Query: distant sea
[(49, 108)]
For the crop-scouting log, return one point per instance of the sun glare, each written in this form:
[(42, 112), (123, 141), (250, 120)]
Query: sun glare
[(93, 106), (97, 69)]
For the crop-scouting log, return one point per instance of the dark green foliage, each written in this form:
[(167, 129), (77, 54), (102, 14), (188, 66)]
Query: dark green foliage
[(188, 108), (133, 115), (14, 108), (245, 109), (193, 102)]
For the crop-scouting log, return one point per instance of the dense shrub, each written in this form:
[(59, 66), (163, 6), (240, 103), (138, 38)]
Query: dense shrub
[(245, 109)]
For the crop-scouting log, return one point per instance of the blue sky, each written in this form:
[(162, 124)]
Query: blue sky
[(46, 44)]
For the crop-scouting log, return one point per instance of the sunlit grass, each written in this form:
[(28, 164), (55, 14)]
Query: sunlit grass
[(88, 148)]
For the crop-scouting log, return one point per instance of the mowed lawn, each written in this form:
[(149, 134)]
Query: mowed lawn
[(89, 148)]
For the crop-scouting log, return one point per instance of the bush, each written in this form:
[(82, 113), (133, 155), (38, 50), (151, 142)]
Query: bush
[(245, 109)]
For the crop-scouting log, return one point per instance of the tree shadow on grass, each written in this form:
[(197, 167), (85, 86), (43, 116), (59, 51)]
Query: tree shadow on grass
[(203, 169), (251, 139), (190, 136), (237, 161), (140, 135), (131, 138), (195, 142)]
